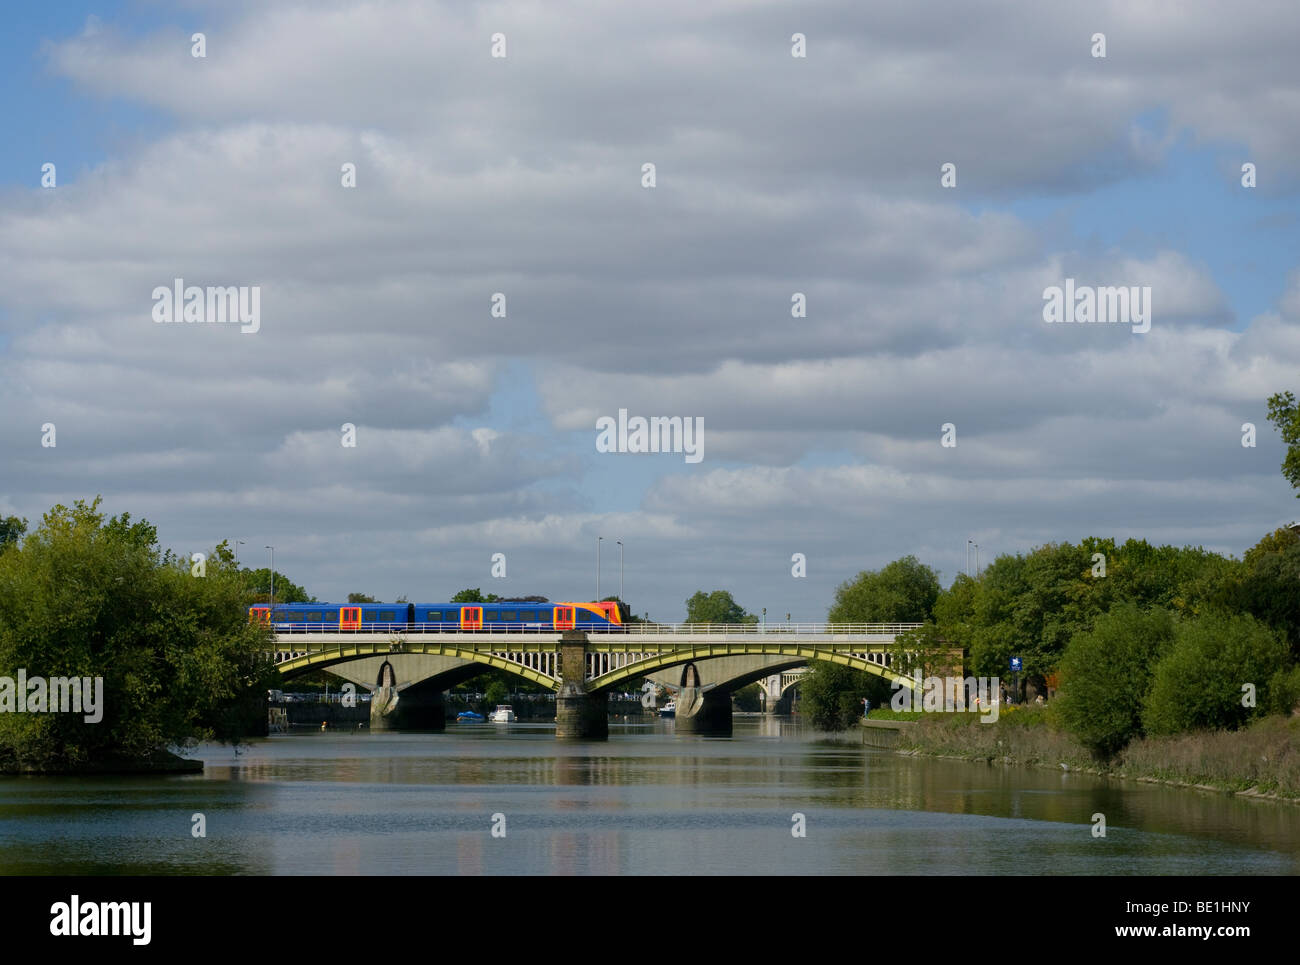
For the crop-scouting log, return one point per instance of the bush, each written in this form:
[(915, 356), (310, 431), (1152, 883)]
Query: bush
[(1105, 674), (1198, 685)]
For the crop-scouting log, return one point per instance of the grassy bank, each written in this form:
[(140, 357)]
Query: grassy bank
[(1263, 759)]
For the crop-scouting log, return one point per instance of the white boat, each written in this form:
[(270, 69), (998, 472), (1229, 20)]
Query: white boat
[(504, 714), (669, 709)]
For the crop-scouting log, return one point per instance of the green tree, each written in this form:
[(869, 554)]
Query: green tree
[(89, 597), (257, 584), (496, 693), (1105, 675), (11, 531), (925, 650), (716, 607), (830, 695), (904, 591), (748, 698), (473, 596), (361, 598), (1285, 416), (1199, 684), (1269, 584)]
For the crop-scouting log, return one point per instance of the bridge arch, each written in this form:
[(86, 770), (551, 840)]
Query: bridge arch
[(798, 654)]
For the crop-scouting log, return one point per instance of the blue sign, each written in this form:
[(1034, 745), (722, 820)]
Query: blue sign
[(1016, 664)]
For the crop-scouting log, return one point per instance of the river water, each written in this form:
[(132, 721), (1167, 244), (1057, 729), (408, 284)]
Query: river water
[(647, 801)]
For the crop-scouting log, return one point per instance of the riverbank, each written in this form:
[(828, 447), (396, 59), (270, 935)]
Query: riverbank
[(1262, 760), (160, 762)]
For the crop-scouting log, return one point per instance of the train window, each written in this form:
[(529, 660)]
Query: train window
[(387, 616), (435, 616), (312, 617), (509, 616), (492, 616)]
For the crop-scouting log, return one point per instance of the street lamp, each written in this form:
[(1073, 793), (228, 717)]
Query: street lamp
[(977, 561), (238, 543), (272, 549), (598, 539), (620, 571), (764, 619), (969, 542)]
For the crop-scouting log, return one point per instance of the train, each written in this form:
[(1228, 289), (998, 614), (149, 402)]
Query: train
[(499, 617)]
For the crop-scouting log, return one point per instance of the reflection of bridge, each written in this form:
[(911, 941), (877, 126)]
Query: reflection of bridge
[(408, 671)]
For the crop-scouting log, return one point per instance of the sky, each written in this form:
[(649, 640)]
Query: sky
[(475, 433)]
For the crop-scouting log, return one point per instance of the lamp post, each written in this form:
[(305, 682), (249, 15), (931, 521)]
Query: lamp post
[(272, 549), (969, 543), (977, 561), (238, 543), (620, 571), (598, 539)]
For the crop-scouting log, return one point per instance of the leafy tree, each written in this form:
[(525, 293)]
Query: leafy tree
[(257, 584), (1105, 675), (473, 596), (11, 531), (716, 607), (904, 591), (1269, 584), (749, 698), (89, 597), (830, 694), (1198, 684), (924, 649), (361, 598), (496, 693), (1285, 416)]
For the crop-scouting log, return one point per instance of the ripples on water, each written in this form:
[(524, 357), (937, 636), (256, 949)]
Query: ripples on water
[(644, 802)]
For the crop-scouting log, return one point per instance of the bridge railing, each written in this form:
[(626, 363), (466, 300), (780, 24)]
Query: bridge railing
[(657, 629)]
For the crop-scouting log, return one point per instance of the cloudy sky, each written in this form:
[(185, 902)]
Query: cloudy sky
[(774, 175)]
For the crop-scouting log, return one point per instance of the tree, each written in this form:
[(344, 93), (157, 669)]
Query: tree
[(716, 607), (11, 531), (1269, 584), (472, 596), (1199, 684), (178, 659), (1285, 416), (748, 698), (904, 591), (1105, 674), (925, 650), (831, 695), (361, 598), (257, 584)]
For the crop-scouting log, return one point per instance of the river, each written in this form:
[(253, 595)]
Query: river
[(644, 802)]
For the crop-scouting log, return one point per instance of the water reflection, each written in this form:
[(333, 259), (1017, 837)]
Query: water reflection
[(646, 801)]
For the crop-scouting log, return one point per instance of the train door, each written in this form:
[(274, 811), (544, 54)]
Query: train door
[(349, 618), (471, 618), (260, 615), (564, 618)]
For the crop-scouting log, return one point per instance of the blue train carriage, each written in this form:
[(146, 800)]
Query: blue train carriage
[(305, 617), (507, 617), (440, 617)]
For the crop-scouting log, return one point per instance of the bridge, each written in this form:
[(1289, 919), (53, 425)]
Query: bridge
[(407, 668)]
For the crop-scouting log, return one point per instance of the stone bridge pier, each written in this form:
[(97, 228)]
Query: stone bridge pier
[(579, 713)]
